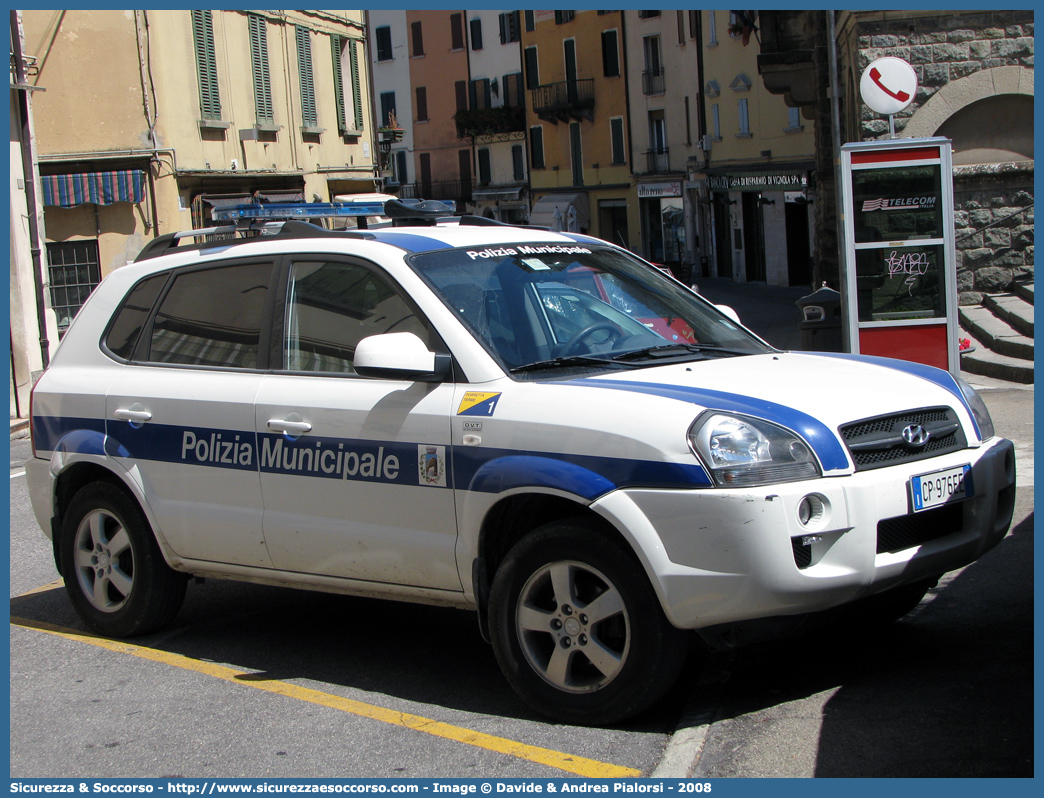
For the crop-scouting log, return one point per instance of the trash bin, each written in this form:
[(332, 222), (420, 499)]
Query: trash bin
[(820, 323)]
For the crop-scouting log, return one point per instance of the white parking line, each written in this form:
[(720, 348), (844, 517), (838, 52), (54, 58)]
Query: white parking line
[(18, 473)]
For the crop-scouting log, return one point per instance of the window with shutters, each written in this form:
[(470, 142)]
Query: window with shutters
[(648, 14), (510, 28), (681, 27), (349, 117), (561, 17), (517, 165), (476, 33), (532, 68), (461, 89), (479, 94), (616, 135), (536, 147), (484, 171), (744, 118), (417, 34), (206, 65), (400, 167), (456, 31), (384, 43), (309, 115), (259, 67), (610, 53), (513, 94), (422, 104), (425, 173), (530, 21)]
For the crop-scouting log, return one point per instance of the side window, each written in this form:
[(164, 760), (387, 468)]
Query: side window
[(131, 317), (332, 306), (212, 317)]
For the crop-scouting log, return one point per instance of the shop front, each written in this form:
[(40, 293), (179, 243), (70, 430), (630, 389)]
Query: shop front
[(761, 225), (662, 209)]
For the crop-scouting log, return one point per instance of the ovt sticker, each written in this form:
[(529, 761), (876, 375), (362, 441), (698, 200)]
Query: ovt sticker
[(431, 464), (477, 403)]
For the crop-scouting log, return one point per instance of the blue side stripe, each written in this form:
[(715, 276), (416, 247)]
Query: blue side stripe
[(819, 436), (388, 462)]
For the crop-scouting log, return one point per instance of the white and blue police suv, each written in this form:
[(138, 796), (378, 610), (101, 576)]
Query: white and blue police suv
[(535, 425)]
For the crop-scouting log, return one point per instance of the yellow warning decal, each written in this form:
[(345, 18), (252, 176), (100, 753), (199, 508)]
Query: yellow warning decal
[(477, 403)]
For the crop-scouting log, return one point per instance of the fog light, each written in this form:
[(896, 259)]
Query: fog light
[(810, 511)]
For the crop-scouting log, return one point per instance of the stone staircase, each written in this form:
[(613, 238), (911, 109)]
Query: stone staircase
[(1001, 329)]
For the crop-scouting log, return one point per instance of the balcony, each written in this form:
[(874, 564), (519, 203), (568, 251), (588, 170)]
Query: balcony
[(652, 81), (657, 161), (568, 100), (456, 191), (491, 124)]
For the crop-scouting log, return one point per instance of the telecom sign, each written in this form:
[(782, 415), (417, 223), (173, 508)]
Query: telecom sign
[(888, 85)]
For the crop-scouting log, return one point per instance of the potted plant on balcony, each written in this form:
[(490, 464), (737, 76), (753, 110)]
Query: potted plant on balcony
[(391, 132)]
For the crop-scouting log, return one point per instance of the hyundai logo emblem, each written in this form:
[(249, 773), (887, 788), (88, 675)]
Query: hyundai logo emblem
[(916, 435)]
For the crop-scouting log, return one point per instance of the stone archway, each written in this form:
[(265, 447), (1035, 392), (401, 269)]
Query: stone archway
[(959, 94)]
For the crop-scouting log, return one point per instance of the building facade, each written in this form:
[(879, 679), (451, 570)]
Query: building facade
[(662, 81), (198, 109), (760, 165), (580, 153)]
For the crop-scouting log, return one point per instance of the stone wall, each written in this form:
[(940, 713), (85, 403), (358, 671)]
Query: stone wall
[(941, 49), (994, 228), (993, 202)]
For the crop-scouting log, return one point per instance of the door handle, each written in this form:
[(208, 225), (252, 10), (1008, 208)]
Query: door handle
[(138, 416), (289, 427)]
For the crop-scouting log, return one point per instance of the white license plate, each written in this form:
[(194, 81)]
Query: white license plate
[(941, 487)]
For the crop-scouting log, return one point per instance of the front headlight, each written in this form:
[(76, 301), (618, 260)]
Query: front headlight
[(978, 408), (741, 451)]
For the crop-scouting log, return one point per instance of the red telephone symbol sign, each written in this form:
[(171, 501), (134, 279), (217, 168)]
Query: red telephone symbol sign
[(900, 95)]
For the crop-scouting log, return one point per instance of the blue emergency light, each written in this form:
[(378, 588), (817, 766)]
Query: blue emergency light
[(298, 210)]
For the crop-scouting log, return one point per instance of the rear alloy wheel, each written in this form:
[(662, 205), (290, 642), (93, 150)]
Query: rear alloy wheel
[(577, 628), (114, 572)]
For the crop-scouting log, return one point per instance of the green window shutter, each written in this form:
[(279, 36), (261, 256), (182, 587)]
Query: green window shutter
[(259, 67), (309, 116), (357, 102), (206, 65), (336, 46)]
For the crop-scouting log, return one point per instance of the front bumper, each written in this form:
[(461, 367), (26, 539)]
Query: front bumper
[(721, 556)]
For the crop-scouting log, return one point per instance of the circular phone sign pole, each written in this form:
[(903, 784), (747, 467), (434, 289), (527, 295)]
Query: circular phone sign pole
[(888, 85)]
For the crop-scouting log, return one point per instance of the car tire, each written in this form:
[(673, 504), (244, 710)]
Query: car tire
[(577, 628), (114, 572)]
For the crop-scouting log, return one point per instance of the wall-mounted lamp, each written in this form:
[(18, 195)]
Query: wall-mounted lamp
[(763, 201)]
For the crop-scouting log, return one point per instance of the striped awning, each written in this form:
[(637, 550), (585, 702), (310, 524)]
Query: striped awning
[(100, 188)]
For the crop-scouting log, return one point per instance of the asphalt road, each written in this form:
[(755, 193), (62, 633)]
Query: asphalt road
[(254, 681)]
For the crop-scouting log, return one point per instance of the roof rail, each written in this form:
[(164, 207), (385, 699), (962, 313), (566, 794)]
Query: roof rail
[(484, 221), (417, 211), (172, 242)]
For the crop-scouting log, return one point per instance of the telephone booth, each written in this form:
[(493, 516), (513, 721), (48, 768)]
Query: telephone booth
[(901, 276)]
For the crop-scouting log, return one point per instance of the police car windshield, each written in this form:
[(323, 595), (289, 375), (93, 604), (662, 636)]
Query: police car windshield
[(577, 307)]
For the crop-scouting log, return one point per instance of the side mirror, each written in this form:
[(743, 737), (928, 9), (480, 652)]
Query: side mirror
[(732, 314), (399, 356)]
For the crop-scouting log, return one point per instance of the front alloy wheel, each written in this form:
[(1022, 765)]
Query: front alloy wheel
[(577, 628)]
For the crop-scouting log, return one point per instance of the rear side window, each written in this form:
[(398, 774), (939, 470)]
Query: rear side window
[(212, 317), (131, 317)]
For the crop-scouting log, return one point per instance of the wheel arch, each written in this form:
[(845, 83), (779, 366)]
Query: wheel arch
[(512, 518), (76, 475)]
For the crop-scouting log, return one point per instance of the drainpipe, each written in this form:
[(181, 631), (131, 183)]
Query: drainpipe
[(835, 124), (29, 170)]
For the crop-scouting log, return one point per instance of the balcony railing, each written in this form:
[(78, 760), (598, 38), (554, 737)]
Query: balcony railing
[(458, 191), (658, 161), (560, 102), (490, 123), (652, 81)]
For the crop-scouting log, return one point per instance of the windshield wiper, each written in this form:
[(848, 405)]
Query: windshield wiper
[(678, 350), (562, 362)]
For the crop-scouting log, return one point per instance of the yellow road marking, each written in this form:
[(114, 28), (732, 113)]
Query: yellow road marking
[(580, 766)]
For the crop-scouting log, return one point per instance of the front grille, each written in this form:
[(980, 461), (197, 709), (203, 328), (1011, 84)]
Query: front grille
[(878, 442), (906, 531)]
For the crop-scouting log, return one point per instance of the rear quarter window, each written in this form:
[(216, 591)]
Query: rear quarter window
[(127, 324)]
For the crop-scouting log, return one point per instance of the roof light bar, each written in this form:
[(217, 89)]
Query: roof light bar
[(298, 210)]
